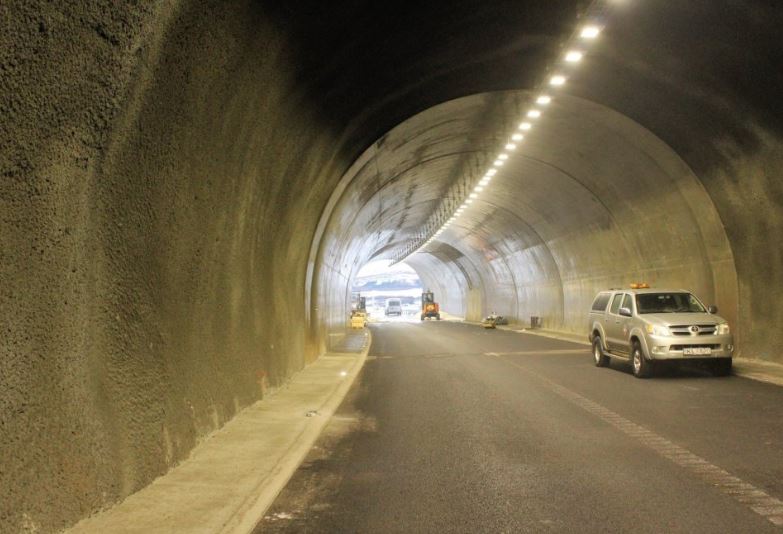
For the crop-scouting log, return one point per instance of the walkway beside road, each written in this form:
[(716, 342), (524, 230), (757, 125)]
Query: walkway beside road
[(234, 475)]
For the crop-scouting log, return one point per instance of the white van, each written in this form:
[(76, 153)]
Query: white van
[(393, 307)]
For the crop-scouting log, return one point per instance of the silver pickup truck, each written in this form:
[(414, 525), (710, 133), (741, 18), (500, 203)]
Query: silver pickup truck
[(647, 326)]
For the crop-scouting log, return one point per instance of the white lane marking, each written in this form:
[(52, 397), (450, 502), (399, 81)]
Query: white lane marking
[(535, 352), (765, 505)]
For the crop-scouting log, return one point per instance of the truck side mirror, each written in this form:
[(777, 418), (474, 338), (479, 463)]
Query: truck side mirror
[(625, 312), (712, 309)]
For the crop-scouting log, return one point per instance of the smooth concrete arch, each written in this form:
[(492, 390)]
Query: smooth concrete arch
[(396, 184), (504, 234), (591, 200), (458, 284)]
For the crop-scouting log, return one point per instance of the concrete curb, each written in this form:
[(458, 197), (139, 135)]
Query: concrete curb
[(771, 373), (252, 512), (229, 481)]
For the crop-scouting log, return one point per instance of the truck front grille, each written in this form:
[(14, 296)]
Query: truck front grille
[(686, 330)]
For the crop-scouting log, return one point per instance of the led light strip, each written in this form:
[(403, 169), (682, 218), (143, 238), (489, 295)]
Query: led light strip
[(576, 50)]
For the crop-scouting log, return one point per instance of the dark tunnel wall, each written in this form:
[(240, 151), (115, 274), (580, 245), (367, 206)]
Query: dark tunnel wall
[(162, 178), (166, 167)]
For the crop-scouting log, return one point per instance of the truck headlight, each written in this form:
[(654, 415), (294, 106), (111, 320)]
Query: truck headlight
[(658, 330), (723, 329)]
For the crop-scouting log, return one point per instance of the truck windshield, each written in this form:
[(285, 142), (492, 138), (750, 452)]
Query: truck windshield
[(668, 303)]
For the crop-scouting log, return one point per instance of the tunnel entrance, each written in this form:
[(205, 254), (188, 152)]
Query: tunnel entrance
[(389, 292)]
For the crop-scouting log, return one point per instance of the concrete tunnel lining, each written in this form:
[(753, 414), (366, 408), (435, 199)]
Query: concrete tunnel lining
[(585, 195), (165, 166)]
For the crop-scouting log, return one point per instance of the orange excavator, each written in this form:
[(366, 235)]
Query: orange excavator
[(429, 308)]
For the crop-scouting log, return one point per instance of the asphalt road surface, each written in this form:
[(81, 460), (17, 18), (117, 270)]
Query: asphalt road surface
[(453, 428)]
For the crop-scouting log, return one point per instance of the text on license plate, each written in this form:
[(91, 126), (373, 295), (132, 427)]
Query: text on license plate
[(701, 351)]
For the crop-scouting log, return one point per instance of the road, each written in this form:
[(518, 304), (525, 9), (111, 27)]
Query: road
[(453, 428)]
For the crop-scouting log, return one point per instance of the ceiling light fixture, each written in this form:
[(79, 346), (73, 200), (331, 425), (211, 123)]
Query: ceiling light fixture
[(557, 80), (574, 52), (590, 32)]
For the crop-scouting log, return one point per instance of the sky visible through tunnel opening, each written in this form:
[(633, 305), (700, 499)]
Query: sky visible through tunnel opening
[(379, 282)]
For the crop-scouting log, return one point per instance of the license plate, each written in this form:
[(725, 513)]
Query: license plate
[(697, 351)]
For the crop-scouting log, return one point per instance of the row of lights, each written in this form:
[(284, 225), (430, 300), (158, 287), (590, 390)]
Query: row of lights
[(573, 55)]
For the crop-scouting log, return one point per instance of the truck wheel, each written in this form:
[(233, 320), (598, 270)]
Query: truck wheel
[(642, 367), (721, 367), (601, 359), (422, 316), (438, 317)]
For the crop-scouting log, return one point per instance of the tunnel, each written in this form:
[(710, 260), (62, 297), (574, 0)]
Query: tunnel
[(189, 188)]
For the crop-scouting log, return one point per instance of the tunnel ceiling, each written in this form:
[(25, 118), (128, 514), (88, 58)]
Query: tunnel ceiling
[(635, 154), (630, 70), (371, 66), (586, 177)]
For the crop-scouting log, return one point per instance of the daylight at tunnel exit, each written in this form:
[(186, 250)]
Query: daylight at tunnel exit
[(451, 266)]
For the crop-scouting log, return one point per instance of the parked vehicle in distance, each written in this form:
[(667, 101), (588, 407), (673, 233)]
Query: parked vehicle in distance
[(499, 319), (648, 326), (491, 320), (393, 307)]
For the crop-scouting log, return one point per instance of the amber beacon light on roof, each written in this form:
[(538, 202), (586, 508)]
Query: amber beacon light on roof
[(640, 285)]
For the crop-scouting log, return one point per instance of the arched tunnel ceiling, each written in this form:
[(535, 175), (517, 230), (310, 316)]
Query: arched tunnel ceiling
[(371, 65), (638, 150), (711, 65), (589, 197)]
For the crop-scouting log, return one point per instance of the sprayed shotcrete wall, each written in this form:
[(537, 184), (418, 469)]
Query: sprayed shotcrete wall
[(161, 180)]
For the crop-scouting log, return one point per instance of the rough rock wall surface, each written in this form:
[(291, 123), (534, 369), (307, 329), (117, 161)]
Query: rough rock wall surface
[(161, 177)]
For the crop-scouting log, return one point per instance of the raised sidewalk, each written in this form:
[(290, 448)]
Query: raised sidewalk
[(230, 479)]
